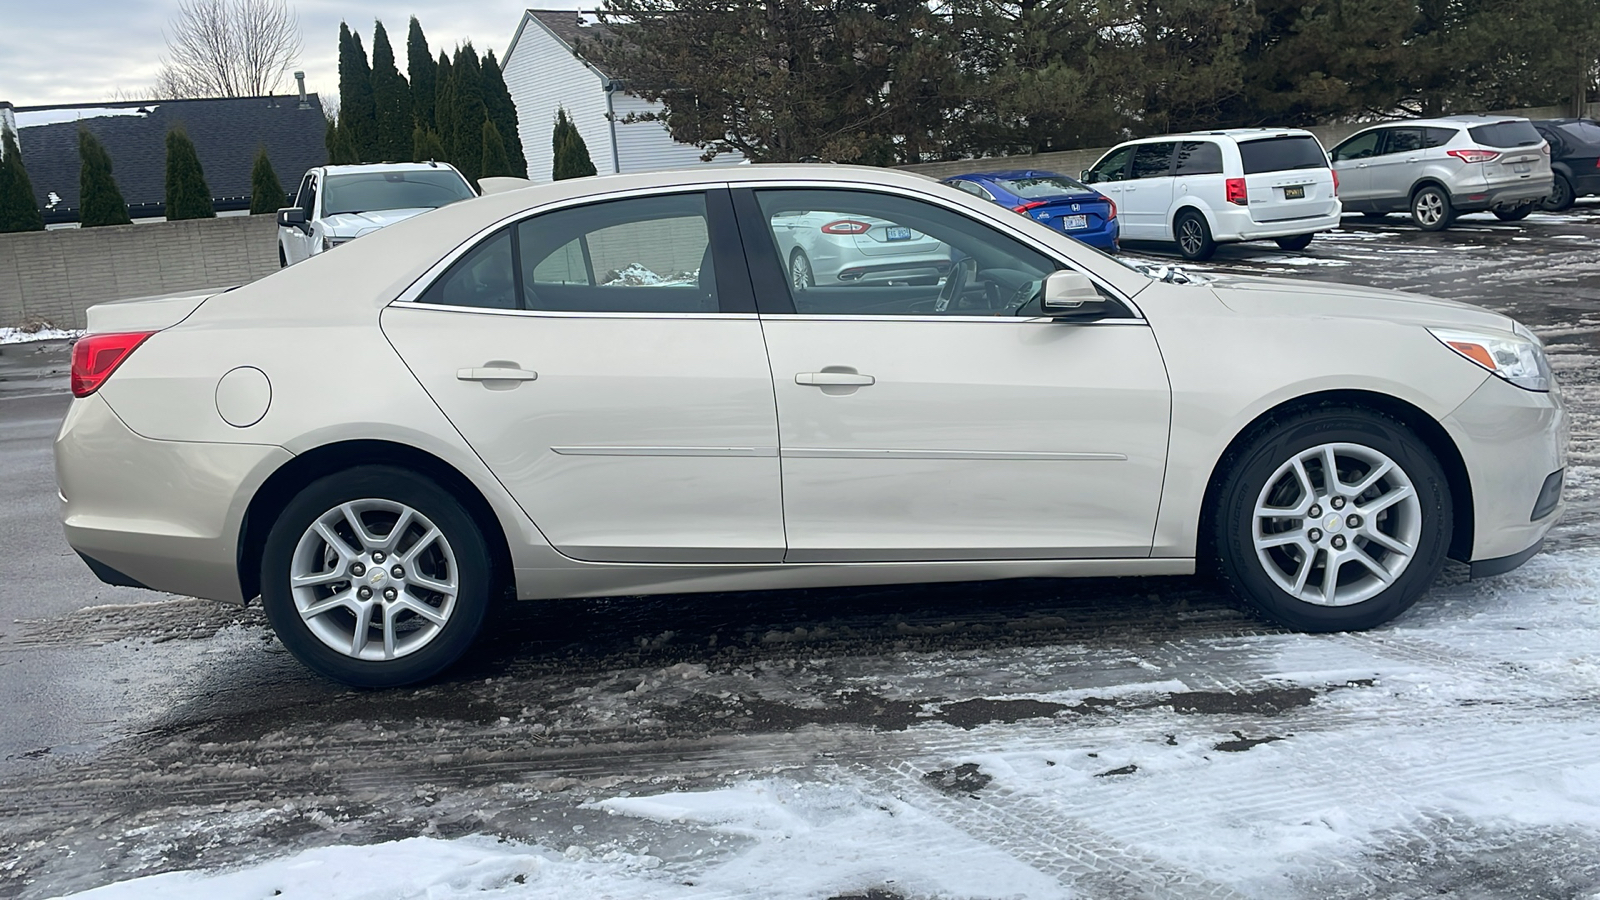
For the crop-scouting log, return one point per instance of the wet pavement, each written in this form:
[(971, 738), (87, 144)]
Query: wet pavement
[(145, 733)]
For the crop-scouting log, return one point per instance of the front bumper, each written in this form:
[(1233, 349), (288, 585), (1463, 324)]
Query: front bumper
[(160, 514), (1511, 441)]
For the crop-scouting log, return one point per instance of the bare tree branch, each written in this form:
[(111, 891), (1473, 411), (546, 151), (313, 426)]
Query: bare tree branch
[(228, 48)]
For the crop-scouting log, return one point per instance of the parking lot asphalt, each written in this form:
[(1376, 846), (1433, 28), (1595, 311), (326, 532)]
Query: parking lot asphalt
[(146, 733)]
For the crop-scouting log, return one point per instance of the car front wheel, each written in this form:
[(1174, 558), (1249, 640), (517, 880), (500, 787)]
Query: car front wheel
[(1333, 520), (375, 577), (1431, 210), (1561, 197)]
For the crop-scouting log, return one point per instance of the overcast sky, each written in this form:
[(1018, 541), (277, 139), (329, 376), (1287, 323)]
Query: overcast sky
[(82, 51)]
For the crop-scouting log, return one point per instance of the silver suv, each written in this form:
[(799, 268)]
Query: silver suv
[(1440, 168)]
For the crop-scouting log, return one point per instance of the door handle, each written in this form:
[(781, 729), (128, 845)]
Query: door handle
[(495, 373), (829, 379)]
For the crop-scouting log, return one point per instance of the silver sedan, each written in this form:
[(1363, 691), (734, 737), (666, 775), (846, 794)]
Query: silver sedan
[(381, 442)]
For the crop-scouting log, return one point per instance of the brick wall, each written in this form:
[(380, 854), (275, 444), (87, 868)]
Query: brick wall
[(56, 275)]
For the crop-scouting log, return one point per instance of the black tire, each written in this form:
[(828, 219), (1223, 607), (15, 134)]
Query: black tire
[(801, 277), (1515, 213), (473, 572), (1246, 477), (1561, 197), (1298, 242), (1193, 236), (1375, 216), (283, 261), (1431, 209)]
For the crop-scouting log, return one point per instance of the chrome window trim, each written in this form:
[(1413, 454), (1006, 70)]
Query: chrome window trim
[(563, 314), (997, 320), (1048, 251)]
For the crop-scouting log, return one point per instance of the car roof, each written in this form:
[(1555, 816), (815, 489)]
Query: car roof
[(1013, 173), (386, 167)]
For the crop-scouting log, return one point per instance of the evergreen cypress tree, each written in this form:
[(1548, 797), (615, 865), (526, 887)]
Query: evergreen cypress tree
[(343, 151), (391, 96), (503, 113), (266, 192), (99, 200), (188, 197), (19, 211), (571, 153), (444, 110), (466, 99), (495, 161), (425, 145), (330, 136), (424, 72), (357, 109)]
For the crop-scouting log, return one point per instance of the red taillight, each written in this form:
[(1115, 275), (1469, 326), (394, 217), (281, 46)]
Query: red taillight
[(1113, 204), (1335, 181), (96, 356), (1027, 206), (845, 226), (1236, 192), (1474, 156), (1545, 148)]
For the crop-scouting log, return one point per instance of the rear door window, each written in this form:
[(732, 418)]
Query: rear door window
[(1506, 134), (1403, 140), (1198, 158), (1277, 154), (1153, 160)]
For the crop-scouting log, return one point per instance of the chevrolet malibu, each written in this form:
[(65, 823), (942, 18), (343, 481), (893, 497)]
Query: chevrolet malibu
[(469, 405)]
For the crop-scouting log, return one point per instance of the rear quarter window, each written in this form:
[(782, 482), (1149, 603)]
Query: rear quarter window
[(1582, 132), (1506, 134), (1280, 153)]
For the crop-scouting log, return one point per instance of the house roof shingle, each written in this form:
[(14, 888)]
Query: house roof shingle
[(226, 133)]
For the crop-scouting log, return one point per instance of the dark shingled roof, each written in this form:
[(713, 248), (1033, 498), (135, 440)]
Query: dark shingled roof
[(565, 24), (226, 133)]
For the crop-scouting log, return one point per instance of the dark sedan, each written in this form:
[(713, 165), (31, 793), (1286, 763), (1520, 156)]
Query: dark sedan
[(1574, 158)]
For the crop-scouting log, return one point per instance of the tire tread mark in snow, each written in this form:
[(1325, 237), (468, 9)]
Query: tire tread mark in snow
[(1059, 846)]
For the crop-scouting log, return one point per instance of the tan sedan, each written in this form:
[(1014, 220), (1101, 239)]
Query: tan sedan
[(609, 386)]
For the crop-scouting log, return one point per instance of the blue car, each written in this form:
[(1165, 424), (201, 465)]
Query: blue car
[(1059, 202)]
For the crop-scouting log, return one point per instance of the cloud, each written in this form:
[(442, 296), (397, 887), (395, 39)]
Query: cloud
[(84, 51)]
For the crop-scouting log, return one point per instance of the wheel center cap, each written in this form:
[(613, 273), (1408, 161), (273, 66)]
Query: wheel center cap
[(377, 576), (1333, 523)]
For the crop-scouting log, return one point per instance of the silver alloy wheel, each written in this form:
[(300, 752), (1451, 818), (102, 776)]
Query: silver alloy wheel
[(1428, 208), (1336, 524), (1190, 237), (800, 274), (374, 579)]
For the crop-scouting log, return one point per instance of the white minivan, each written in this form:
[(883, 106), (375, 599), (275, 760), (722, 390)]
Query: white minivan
[(1218, 187)]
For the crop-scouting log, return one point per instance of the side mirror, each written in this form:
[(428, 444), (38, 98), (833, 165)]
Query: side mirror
[(1072, 295), (291, 217), (1087, 176)]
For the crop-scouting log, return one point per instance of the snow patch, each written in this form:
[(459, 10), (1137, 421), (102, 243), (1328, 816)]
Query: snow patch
[(58, 116), (23, 335)]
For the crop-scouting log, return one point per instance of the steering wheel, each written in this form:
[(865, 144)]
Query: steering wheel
[(955, 283)]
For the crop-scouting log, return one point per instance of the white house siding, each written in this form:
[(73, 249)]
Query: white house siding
[(542, 74), (647, 146)]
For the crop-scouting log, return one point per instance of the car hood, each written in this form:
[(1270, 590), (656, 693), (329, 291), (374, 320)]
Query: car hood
[(1273, 296), (349, 225)]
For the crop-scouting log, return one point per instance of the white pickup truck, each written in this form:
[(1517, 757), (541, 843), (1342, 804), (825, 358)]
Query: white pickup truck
[(336, 204)]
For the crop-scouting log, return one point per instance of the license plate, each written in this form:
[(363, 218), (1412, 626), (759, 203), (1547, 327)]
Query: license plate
[(1074, 223), (897, 233), (1298, 192), (1522, 168)]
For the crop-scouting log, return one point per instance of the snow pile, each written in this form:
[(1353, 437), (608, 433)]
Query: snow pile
[(58, 116), (46, 333), (638, 275)]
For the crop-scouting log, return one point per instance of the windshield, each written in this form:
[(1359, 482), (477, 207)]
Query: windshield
[(369, 191), (1036, 186), (1516, 133), (1280, 153)]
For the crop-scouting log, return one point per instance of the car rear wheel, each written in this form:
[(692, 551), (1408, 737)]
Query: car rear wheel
[(1515, 213), (1194, 236), (1298, 242), (375, 577), (1430, 209), (1561, 198), (800, 275), (1333, 520)]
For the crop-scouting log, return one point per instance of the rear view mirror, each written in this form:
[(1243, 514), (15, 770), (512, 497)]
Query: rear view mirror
[(291, 217)]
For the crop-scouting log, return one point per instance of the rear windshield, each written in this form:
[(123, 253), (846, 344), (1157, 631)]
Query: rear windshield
[(1583, 132), (1506, 134), (369, 191), (1277, 154), (1038, 186)]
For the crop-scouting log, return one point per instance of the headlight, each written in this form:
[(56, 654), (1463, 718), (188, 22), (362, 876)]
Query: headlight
[(328, 243), (1518, 357)]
